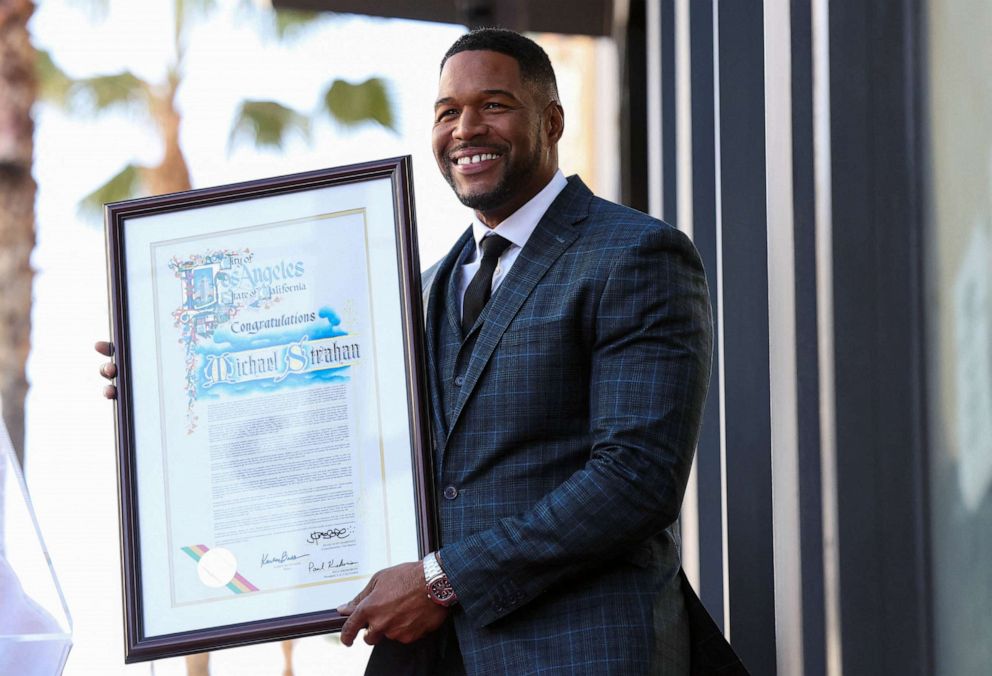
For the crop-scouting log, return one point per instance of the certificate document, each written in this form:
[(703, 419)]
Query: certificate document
[(270, 405), (275, 480)]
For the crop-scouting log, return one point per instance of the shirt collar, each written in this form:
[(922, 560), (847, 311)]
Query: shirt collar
[(519, 225)]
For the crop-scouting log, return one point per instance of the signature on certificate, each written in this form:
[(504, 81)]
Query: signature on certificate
[(329, 534), (330, 564), (281, 558)]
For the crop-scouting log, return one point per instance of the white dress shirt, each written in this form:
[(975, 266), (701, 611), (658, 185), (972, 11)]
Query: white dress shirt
[(516, 228)]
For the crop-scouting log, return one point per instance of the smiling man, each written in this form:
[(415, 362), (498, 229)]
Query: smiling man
[(497, 145), (568, 351)]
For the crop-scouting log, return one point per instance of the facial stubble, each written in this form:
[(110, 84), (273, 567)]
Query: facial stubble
[(509, 184)]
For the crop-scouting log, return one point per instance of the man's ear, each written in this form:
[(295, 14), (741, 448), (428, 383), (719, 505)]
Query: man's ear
[(554, 121)]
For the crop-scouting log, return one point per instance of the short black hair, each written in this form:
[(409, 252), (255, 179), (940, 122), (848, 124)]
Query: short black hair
[(535, 66)]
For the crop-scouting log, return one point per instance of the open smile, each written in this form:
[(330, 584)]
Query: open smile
[(473, 161), (476, 159)]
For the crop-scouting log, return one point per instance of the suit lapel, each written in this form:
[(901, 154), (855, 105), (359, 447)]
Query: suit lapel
[(553, 235), (437, 310)]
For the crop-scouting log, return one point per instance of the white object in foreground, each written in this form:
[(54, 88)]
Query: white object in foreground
[(35, 629)]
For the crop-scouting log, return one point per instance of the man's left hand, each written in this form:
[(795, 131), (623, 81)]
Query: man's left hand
[(394, 604)]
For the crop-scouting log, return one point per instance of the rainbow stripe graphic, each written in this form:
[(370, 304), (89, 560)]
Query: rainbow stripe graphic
[(238, 585)]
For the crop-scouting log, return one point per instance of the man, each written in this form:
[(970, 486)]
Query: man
[(566, 415), (565, 409)]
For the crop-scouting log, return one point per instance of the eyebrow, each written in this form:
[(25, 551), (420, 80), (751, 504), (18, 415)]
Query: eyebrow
[(444, 100)]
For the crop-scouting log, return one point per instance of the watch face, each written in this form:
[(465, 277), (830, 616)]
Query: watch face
[(440, 590)]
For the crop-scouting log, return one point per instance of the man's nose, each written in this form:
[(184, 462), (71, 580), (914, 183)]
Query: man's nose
[(470, 124)]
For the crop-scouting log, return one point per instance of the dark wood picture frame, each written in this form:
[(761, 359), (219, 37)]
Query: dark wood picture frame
[(138, 645)]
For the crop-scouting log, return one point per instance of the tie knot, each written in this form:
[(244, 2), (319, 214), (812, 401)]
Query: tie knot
[(493, 246)]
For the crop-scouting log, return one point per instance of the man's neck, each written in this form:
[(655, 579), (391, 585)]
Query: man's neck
[(497, 215), (526, 218)]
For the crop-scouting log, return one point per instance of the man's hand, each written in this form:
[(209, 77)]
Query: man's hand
[(394, 604), (108, 370)]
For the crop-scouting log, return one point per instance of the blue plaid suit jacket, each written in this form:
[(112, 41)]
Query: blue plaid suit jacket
[(570, 444)]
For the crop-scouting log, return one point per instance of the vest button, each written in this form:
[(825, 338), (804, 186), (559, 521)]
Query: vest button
[(459, 381), (450, 493)]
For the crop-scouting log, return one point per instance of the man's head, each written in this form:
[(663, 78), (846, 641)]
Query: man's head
[(497, 121), (535, 66)]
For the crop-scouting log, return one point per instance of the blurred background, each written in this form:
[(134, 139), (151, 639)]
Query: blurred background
[(831, 159), (151, 97)]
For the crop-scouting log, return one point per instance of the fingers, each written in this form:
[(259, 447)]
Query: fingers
[(373, 636), (356, 614), (109, 369), (350, 629)]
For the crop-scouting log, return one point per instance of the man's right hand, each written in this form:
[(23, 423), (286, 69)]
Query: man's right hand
[(109, 369)]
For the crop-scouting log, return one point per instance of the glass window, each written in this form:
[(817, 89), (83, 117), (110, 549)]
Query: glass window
[(958, 264)]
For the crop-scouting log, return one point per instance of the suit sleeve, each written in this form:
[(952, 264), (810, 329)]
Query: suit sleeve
[(648, 379)]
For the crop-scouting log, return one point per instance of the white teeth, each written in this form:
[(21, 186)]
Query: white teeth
[(475, 159)]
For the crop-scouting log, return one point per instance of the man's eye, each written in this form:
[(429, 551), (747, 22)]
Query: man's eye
[(493, 105), (447, 113)]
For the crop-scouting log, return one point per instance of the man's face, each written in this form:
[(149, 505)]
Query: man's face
[(494, 135)]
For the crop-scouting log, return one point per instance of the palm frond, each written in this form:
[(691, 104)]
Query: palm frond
[(278, 24), (291, 23), (126, 184), (108, 91), (267, 124), (53, 83), (352, 104)]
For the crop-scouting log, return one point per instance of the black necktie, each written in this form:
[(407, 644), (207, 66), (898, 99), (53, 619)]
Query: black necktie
[(480, 288)]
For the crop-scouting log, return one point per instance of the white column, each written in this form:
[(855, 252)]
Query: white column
[(782, 338), (825, 331)]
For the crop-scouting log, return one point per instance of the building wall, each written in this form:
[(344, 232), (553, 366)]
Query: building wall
[(803, 144)]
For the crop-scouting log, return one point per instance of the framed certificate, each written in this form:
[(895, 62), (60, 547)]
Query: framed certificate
[(272, 429)]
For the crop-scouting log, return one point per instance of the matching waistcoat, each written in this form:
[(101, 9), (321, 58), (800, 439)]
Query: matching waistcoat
[(455, 350)]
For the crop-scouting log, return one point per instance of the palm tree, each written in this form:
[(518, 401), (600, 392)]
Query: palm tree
[(265, 123), (17, 190)]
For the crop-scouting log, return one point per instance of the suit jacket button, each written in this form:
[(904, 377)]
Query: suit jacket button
[(450, 493), (459, 381)]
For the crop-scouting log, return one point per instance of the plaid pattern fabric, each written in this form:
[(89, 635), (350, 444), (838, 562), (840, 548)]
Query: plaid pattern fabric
[(565, 425)]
